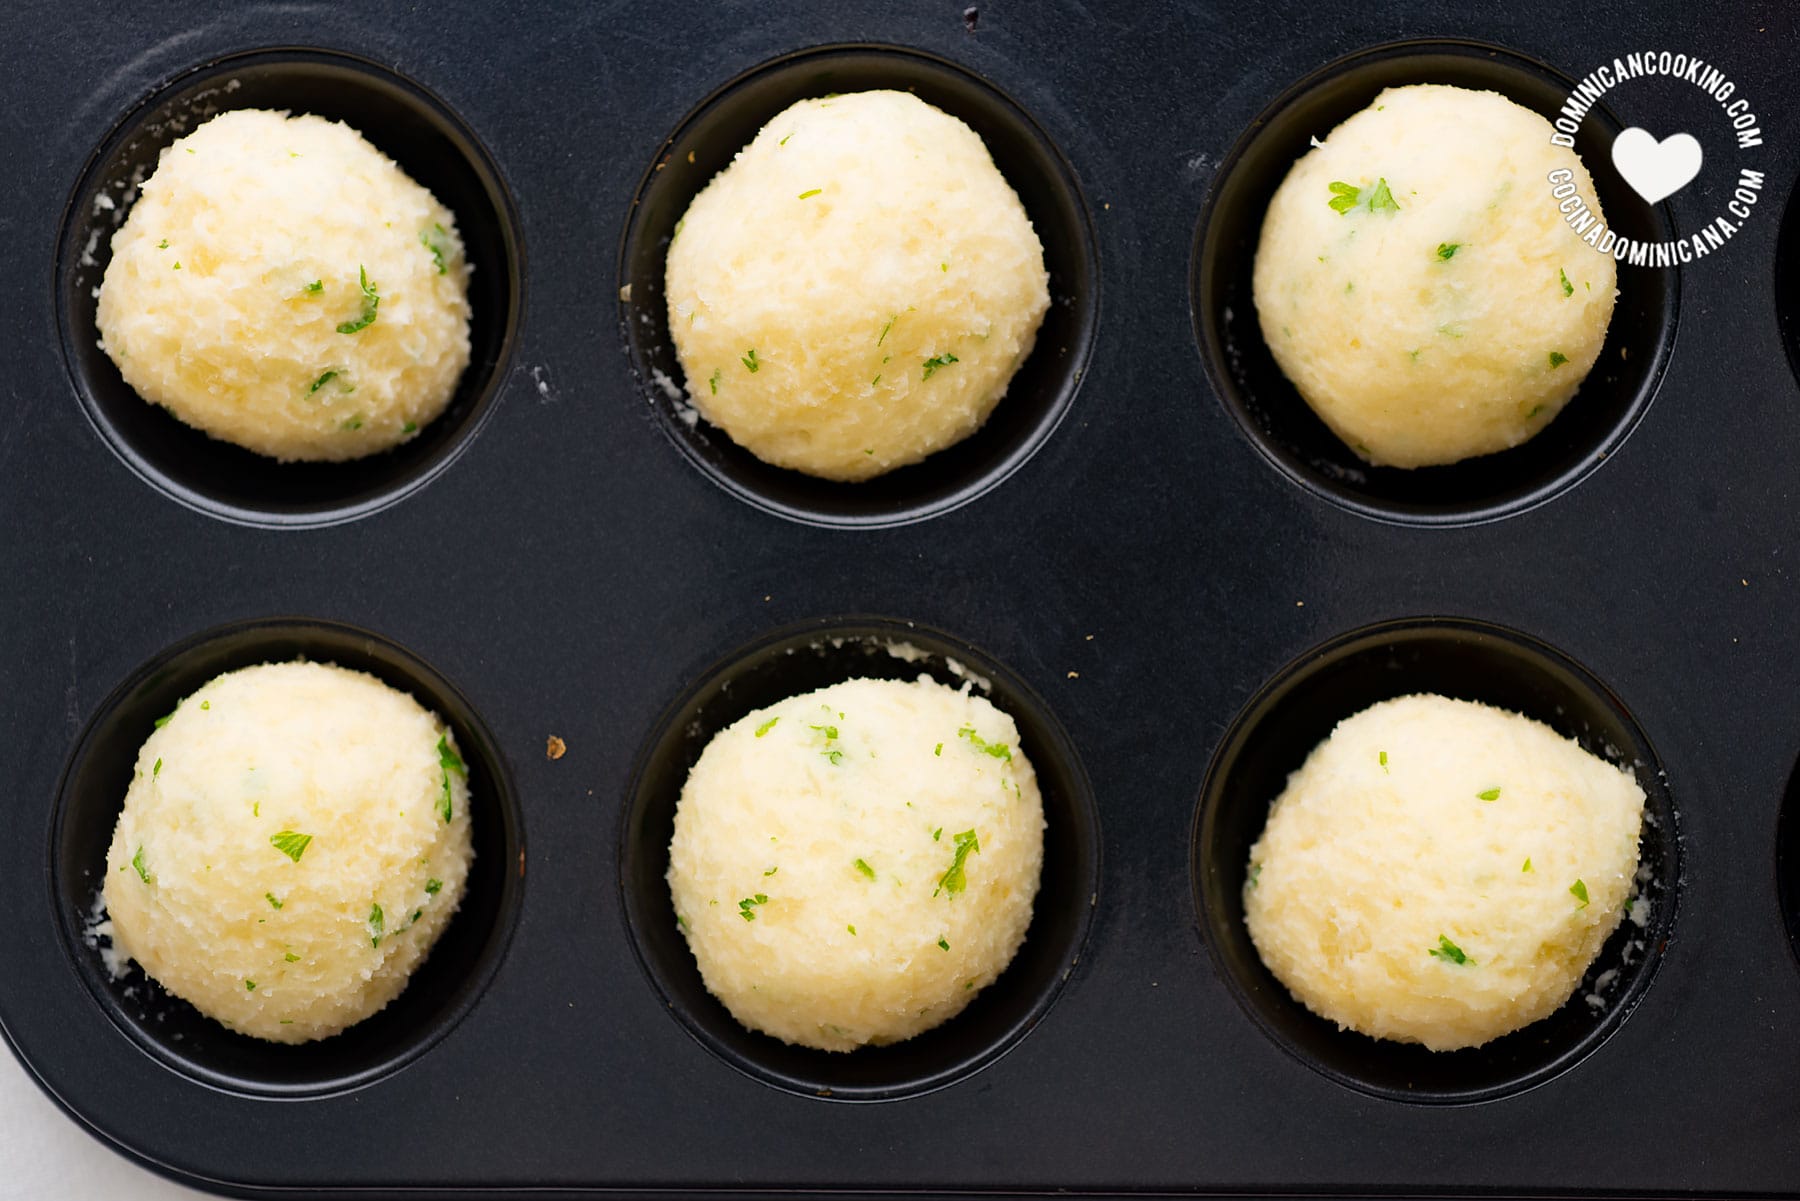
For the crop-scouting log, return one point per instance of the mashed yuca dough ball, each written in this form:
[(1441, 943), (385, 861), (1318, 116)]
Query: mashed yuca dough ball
[(851, 866), (1418, 285), (282, 285), (294, 840), (856, 290), (1442, 872)]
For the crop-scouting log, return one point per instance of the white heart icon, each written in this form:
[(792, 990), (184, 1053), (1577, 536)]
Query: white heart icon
[(1656, 170)]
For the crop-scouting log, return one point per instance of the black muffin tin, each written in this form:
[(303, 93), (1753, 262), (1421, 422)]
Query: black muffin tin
[(1153, 557)]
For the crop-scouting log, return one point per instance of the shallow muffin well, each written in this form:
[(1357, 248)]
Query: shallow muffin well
[(402, 121), (1270, 410), (440, 991), (1040, 393), (799, 660), (1299, 708)]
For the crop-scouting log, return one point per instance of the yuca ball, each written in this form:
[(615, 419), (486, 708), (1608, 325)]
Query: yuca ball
[(851, 866), (280, 284), (1418, 285), (294, 840), (856, 290), (1442, 872)]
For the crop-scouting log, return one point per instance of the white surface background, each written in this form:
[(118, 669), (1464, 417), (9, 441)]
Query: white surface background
[(46, 1156)]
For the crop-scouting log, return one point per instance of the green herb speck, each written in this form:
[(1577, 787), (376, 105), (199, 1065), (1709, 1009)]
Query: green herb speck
[(1557, 359), (862, 866), (937, 361), (371, 302), (1491, 794), (1578, 890), (955, 880), (290, 843), (438, 245), (811, 192), (1567, 287), (766, 726), (137, 862), (750, 362), (943, 944), (321, 382), (375, 924), (1450, 952), (1447, 250), (272, 899)]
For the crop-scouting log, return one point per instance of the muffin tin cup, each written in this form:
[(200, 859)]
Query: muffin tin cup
[(1270, 411), (1296, 711), (404, 122), (802, 659), (1040, 393), (441, 990)]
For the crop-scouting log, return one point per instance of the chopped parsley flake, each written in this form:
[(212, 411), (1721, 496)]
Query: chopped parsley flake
[(749, 361), (1384, 765), (321, 382), (998, 750), (371, 302), (137, 861), (772, 871), (852, 929), (862, 866), (1567, 287), (1557, 359), (939, 752), (1255, 873), (353, 423), (166, 718), (1491, 794), (1450, 952), (937, 834), (291, 957), (272, 899), (1446, 250), (835, 754), (943, 944), (714, 381), (936, 361), (437, 245), (249, 986), (375, 923), (433, 886), (315, 287), (766, 726), (411, 427), (205, 704), (886, 328), (163, 245), (954, 880), (810, 193), (747, 906), (1578, 890), (1345, 197), (156, 770), (448, 761), (784, 141), (1535, 410), (291, 844), (1527, 866)]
